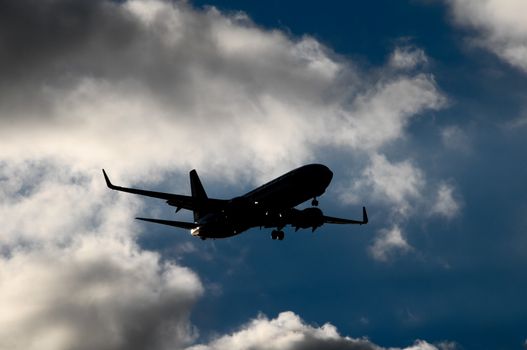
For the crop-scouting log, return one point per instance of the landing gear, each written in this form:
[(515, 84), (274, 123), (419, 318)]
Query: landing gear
[(277, 235), (314, 202)]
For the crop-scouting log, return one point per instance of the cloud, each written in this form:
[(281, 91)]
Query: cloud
[(71, 274), (146, 89), (407, 57), (393, 183), (98, 293), (398, 183), (155, 87), (289, 332), (97, 97), (454, 138), (446, 204), (47, 202), (401, 187), (500, 24), (380, 114), (389, 243), (216, 84)]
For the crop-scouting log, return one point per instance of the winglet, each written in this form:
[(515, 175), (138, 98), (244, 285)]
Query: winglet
[(108, 183), (364, 216)]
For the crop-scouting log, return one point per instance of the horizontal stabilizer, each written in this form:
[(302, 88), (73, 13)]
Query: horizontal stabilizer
[(181, 224), (332, 220)]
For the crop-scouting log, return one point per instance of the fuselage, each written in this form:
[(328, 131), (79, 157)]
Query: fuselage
[(266, 205)]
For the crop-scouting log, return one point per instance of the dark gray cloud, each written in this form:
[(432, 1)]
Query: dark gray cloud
[(162, 46), (52, 43), (96, 294)]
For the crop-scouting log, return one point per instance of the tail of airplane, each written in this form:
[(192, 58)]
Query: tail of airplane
[(198, 194)]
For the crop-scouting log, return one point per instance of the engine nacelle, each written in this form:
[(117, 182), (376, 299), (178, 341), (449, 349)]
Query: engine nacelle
[(309, 217)]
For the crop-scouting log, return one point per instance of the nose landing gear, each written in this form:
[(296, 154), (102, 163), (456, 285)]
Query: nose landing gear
[(314, 202), (277, 235)]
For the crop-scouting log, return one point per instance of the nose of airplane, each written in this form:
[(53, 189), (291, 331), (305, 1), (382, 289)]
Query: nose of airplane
[(326, 174)]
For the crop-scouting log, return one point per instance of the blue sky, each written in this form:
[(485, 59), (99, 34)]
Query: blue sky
[(418, 107), (478, 300)]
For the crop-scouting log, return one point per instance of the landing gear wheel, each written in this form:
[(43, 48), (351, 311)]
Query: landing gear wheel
[(277, 235), (314, 202)]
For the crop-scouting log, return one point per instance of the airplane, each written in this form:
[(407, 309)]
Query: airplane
[(269, 206)]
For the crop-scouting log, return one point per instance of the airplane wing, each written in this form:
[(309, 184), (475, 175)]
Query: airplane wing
[(175, 200), (181, 224), (332, 220)]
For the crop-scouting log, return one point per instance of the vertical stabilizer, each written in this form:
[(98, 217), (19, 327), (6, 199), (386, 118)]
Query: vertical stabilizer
[(198, 194)]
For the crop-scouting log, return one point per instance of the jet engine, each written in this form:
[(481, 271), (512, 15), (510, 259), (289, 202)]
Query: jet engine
[(309, 217)]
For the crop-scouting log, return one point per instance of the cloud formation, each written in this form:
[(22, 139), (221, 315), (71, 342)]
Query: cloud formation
[(179, 88), (407, 57), (500, 24), (71, 274), (216, 84), (289, 332), (446, 204), (388, 243), (397, 183), (98, 293), (150, 88)]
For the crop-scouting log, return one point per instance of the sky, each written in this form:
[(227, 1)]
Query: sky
[(419, 108)]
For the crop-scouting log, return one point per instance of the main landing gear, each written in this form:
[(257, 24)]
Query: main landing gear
[(314, 202), (277, 235)]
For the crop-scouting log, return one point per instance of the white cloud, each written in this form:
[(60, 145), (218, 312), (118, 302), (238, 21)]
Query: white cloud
[(501, 25), (380, 114), (289, 332), (46, 202), (446, 204), (396, 184), (388, 243), (407, 57)]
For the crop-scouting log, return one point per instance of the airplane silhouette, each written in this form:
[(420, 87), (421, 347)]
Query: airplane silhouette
[(269, 206)]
